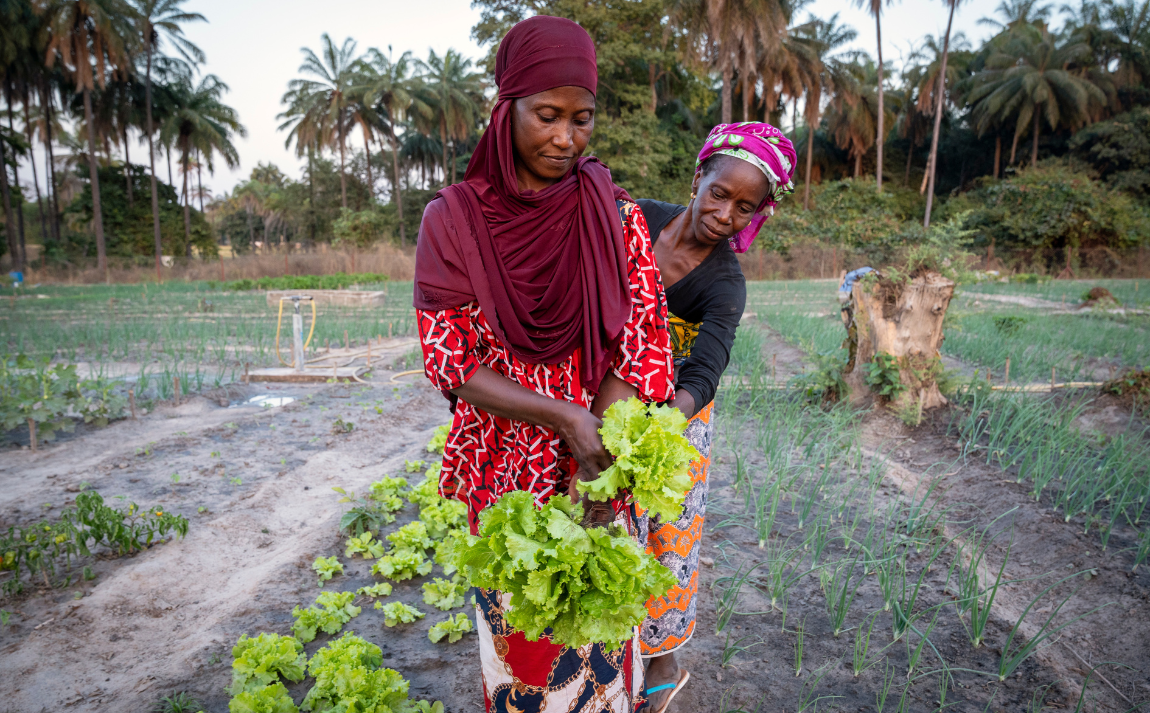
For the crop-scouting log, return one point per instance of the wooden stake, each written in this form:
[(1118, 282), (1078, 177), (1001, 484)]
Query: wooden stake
[(1052, 380), (32, 434), (1006, 379), (346, 341), (132, 402), (176, 388), (247, 364), (389, 324), (774, 359)]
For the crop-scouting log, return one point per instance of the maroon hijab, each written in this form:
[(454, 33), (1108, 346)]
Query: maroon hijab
[(549, 268)]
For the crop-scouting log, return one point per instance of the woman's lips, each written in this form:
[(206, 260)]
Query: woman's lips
[(558, 160), (714, 233)]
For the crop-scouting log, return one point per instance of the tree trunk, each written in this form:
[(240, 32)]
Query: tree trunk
[(858, 164), (171, 181), (35, 174), (9, 216), (880, 138), (1013, 148), (127, 167), (187, 209), (93, 172), (997, 153), (909, 157), (19, 190), (367, 153), (810, 158), (342, 172), (1034, 149), (932, 166), (652, 78), (200, 183), (443, 140), (453, 161), (725, 95), (925, 176), (152, 166), (51, 159), (398, 191), (748, 98), (310, 194), (904, 321)]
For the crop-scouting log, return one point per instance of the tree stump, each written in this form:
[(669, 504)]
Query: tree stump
[(903, 320)]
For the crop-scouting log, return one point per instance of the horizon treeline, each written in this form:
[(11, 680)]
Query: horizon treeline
[(1032, 147)]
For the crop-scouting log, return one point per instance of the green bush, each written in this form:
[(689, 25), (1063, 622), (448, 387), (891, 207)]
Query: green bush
[(1036, 214), (1119, 150), (338, 281), (53, 397)]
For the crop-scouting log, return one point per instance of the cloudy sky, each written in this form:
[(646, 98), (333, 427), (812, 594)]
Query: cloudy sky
[(254, 46)]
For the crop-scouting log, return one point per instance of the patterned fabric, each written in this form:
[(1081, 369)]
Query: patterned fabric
[(683, 335), (770, 151), (487, 456), (521, 675), (670, 619)]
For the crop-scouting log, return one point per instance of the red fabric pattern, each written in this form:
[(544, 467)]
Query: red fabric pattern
[(487, 456)]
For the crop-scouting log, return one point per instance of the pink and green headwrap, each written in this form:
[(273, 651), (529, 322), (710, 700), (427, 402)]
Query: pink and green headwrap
[(767, 149)]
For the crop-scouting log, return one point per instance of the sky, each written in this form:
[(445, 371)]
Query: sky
[(254, 47)]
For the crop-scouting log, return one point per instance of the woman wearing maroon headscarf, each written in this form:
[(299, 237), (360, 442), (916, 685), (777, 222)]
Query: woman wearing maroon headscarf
[(539, 303)]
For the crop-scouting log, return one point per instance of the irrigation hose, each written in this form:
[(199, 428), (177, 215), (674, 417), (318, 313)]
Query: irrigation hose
[(279, 324), (405, 373)]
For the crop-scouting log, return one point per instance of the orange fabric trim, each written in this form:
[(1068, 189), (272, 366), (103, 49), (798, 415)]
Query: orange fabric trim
[(672, 642), (669, 538), (677, 597)]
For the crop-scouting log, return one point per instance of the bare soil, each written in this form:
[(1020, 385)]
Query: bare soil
[(165, 619)]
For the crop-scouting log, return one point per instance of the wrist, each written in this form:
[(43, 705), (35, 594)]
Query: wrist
[(561, 418)]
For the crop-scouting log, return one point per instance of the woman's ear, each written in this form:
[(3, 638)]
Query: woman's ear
[(695, 183)]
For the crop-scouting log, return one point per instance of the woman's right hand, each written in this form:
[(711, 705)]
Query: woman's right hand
[(579, 429)]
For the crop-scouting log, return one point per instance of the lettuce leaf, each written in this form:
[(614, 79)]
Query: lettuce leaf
[(268, 699), (444, 594), (363, 545), (439, 439), (261, 661), (442, 516), (454, 627), (652, 458), (379, 589), (398, 612), (412, 536), (333, 610), (326, 567)]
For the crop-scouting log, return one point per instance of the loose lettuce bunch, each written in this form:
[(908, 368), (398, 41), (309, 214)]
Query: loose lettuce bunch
[(438, 439), (267, 699), (364, 545), (325, 567), (454, 627), (379, 589), (412, 536), (333, 611), (348, 680), (401, 564), (427, 492), (442, 516), (389, 492), (444, 594), (652, 458), (445, 547), (397, 612), (260, 661), (585, 585)]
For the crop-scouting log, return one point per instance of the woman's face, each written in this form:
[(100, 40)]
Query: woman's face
[(726, 198), (550, 131)]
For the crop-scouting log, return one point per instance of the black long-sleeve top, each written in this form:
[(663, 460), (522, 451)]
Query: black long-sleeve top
[(714, 295)]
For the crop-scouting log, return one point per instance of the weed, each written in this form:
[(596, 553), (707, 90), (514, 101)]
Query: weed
[(883, 377), (178, 703), (340, 427)]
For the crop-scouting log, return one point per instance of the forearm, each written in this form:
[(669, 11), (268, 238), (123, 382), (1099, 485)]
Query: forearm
[(611, 389), (500, 396), (685, 402)]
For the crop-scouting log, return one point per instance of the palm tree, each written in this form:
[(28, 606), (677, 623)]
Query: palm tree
[(789, 67), (88, 37), (154, 20), (203, 122), (957, 59), (834, 79), (854, 124), (386, 89), (1030, 78), (931, 159), (455, 95), (875, 9), (731, 33), (324, 101)]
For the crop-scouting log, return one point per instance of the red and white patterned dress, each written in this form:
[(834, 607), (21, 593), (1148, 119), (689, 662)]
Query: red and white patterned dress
[(487, 456)]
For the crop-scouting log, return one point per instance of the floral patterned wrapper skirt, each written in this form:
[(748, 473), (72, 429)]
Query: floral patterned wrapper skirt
[(670, 619)]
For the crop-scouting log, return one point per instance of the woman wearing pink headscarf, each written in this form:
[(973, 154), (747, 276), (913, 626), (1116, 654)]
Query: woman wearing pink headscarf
[(741, 173)]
